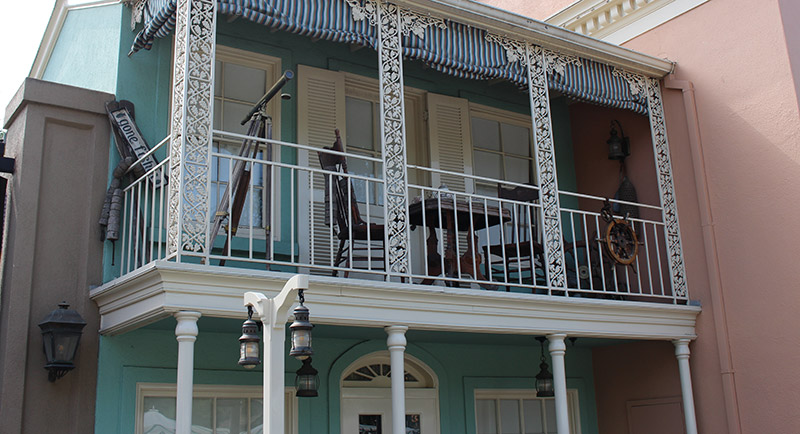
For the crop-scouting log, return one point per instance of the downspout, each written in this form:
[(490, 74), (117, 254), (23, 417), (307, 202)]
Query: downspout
[(712, 257)]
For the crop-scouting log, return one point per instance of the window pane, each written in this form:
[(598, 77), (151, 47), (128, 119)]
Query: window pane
[(485, 134), (232, 116), (218, 78), (217, 114), (518, 170), (201, 415), (516, 140), (256, 415), (232, 416), (244, 83), (360, 123), (369, 424), (488, 165), (413, 425), (532, 410), (159, 415), (509, 416), (550, 412), (487, 416)]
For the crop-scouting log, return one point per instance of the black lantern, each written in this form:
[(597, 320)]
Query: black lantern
[(249, 351), (618, 147), (301, 332), (61, 334), (544, 379), (306, 382)]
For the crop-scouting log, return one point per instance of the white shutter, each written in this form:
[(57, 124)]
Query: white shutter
[(450, 141), (320, 110)]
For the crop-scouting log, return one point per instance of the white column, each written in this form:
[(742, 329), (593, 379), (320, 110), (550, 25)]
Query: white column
[(186, 334), (397, 346), (557, 350), (682, 353)]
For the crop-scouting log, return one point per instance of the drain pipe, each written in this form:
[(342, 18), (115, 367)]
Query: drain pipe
[(712, 257)]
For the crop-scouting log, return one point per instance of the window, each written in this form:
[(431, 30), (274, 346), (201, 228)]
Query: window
[(215, 409), (503, 148), (241, 79), (520, 412), (362, 138)]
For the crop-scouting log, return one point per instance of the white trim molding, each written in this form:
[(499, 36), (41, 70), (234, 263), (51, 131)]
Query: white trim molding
[(162, 288), (618, 21)]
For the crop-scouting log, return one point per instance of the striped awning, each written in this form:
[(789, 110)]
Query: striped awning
[(452, 48)]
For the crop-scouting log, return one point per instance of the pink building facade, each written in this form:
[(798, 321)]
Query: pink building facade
[(732, 116)]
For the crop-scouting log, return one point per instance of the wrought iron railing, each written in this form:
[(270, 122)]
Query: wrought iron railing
[(296, 214)]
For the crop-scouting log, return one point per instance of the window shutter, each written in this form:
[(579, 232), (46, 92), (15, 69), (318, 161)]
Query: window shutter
[(450, 141), (320, 110)]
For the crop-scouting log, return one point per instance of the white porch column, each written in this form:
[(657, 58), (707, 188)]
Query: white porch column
[(682, 353), (557, 350), (397, 347), (274, 312), (186, 334)]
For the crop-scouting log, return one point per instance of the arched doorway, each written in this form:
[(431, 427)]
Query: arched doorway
[(366, 401)]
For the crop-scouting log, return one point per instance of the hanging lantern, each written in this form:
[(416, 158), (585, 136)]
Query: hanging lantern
[(544, 379), (301, 332), (249, 350), (618, 147), (306, 382), (61, 334)]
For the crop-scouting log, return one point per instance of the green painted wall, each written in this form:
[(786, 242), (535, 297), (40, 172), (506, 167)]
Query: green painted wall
[(462, 363), (86, 52)]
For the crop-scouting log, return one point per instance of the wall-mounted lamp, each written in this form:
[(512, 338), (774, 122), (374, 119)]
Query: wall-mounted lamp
[(249, 350), (544, 379), (306, 382), (61, 334), (301, 332), (618, 147)]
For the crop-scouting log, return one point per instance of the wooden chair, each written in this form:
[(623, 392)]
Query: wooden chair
[(358, 241), (521, 258)]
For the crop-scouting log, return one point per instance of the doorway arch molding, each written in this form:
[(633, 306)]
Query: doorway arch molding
[(365, 348)]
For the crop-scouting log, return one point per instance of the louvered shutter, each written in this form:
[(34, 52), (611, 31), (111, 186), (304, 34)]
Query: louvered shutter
[(320, 110), (450, 141)]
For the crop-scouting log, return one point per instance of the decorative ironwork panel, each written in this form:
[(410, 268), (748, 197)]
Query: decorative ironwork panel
[(368, 10), (546, 164), (390, 59), (666, 188), (557, 62), (515, 50), (190, 130), (416, 23)]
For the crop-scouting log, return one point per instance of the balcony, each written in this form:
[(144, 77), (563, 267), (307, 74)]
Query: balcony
[(297, 215)]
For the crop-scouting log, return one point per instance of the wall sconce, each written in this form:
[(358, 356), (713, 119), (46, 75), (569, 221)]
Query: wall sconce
[(306, 382), (301, 332), (618, 147), (249, 350), (61, 334), (544, 379)]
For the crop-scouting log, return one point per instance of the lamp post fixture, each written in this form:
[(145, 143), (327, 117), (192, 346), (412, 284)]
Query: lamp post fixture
[(274, 313), (249, 351), (61, 334), (306, 382), (301, 332), (544, 379)]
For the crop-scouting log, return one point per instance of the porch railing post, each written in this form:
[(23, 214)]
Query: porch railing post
[(393, 138), (190, 127), (666, 188), (546, 166)]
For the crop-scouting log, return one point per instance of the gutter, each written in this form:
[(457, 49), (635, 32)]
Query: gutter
[(712, 257), (515, 26)]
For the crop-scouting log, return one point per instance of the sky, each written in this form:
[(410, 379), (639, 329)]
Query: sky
[(22, 25)]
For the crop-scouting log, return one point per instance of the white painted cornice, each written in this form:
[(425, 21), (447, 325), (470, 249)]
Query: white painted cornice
[(163, 288), (522, 28), (618, 21)]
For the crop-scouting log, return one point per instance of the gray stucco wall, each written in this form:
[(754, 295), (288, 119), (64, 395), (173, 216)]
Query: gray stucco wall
[(59, 136)]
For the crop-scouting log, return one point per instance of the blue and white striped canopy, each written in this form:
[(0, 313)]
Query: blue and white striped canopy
[(457, 49)]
